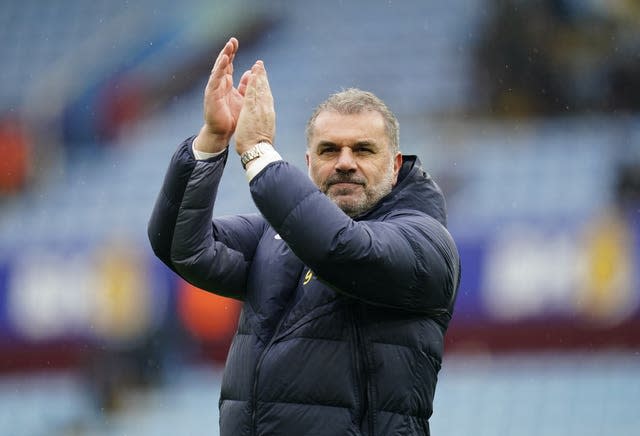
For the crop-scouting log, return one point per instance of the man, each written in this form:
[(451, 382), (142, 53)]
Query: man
[(348, 279)]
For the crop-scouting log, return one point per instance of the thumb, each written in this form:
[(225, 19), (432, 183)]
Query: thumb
[(244, 80)]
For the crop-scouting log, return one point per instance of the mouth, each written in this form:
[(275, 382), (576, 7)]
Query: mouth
[(344, 187), (345, 181), (345, 184), (339, 189)]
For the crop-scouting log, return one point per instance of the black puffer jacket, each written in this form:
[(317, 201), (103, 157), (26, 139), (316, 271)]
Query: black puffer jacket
[(342, 327)]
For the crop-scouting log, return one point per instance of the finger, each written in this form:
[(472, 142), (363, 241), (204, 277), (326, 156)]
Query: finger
[(257, 83), (244, 80), (229, 68), (216, 64), (229, 50), (262, 82), (234, 49), (257, 66), (224, 63), (232, 55), (250, 88), (234, 41), (257, 70), (218, 73), (262, 72)]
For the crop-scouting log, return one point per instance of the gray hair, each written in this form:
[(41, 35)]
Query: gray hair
[(355, 101)]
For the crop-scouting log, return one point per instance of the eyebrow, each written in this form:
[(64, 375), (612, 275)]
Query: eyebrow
[(364, 143), (325, 145)]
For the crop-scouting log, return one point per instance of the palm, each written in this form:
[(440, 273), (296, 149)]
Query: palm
[(222, 108), (222, 102)]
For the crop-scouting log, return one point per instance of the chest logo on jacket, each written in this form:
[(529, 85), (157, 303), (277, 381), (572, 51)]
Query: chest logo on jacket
[(307, 278)]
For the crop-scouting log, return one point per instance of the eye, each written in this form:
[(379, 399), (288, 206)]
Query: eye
[(328, 150), (363, 149)]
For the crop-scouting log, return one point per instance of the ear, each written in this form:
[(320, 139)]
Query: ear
[(397, 164), (306, 158)]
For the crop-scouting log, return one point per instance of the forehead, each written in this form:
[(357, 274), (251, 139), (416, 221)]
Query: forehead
[(336, 127)]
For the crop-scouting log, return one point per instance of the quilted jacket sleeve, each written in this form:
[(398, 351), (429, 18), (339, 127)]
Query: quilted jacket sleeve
[(407, 261), (211, 255)]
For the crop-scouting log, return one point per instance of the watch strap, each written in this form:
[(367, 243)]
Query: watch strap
[(254, 152)]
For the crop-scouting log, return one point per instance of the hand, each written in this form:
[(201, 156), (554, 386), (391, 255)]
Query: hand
[(222, 102), (257, 121)]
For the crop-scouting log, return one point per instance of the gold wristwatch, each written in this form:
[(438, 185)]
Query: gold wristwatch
[(254, 152)]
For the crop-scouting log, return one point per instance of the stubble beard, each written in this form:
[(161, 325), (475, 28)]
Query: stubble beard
[(369, 196)]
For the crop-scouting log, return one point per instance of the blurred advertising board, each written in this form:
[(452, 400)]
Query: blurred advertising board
[(58, 301), (527, 285), (523, 286)]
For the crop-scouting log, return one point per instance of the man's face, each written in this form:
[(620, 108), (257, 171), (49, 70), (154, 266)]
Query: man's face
[(350, 160)]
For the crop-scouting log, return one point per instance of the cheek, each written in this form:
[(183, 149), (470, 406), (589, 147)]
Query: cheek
[(383, 170), (316, 173)]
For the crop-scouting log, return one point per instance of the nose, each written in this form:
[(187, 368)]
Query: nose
[(346, 160)]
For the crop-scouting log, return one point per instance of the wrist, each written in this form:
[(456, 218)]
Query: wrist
[(254, 152), (209, 142), (243, 146), (256, 158)]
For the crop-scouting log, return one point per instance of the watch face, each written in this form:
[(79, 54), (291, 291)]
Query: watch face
[(253, 153), (249, 155)]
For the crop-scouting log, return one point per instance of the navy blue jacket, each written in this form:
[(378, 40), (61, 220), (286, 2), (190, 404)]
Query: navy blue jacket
[(342, 326)]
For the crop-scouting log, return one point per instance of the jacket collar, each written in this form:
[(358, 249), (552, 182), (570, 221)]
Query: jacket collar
[(415, 190)]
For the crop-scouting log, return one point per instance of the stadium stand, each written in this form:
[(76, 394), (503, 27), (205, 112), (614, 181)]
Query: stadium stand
[(109, 88)]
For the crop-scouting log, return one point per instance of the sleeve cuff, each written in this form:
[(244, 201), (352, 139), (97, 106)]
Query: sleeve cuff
[(203, 155), (255, 166)]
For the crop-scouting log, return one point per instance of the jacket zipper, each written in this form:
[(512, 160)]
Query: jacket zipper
[(254, 392), (362, 371), (256, 375)]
